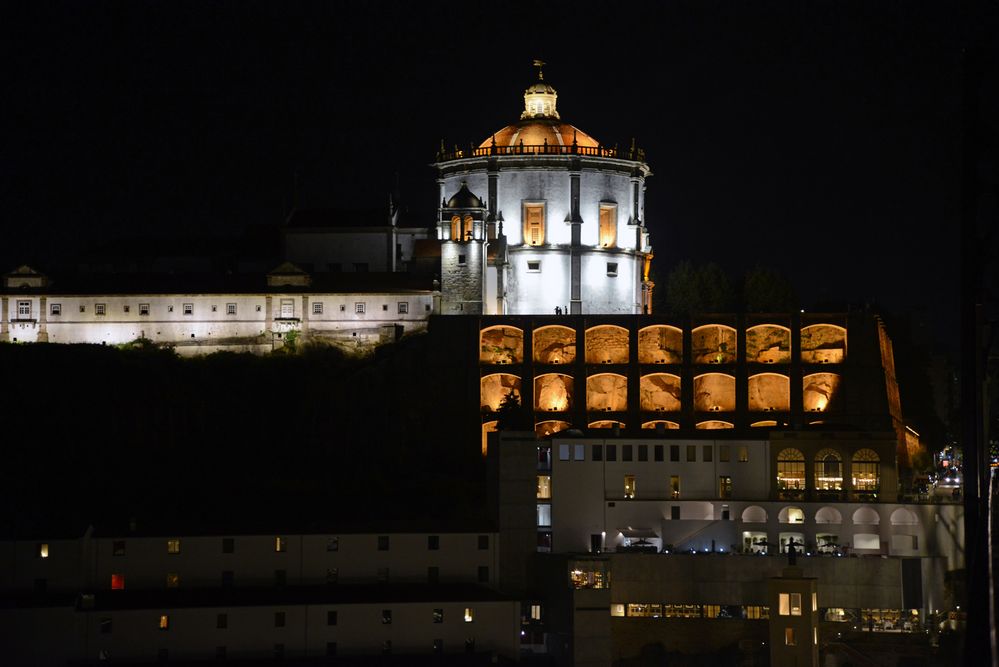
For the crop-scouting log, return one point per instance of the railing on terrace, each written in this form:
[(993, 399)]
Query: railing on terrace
[(632, 153)]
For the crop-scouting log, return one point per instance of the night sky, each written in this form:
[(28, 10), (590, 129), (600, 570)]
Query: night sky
[(820, 138)]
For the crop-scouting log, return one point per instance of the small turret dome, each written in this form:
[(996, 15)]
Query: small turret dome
[(464, 198)]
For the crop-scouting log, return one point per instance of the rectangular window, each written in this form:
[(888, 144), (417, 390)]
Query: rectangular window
[(469, 614), (535, 612), (83, 309), (279, 619), (55, 309), (674, 453), (127, 308), (612, 268), (403, 307), (221, 621), (230, 309), (433, 542), (172, 580), (544, 515), (215, 308), (228, 545), (23, 310), (563, 452), (333, 543), (332, 575), (143, 309), (723, 453), (189, 309), (386, 617), (629, 486), (597, 453), (674, 486), (617, 610), (691, 453), (280, 544), (359, 307), (117, 582), (383, 542), (579, 452), (534, 223), (43, 550), (461, 259), (743, 453), (317, 308), (438, 646), (483, 542), (106, 626), (612, 452), (643, 452), (544, 487), (608, 228), (483, 574), (331, 618), (725, 487), (438, 616), (287, 308), (707, 453), (674, 512), (173, 546), (118, 548), (100, 309), (789, 637), (164, 622), (658, 452), (627, 452), (534, 266)]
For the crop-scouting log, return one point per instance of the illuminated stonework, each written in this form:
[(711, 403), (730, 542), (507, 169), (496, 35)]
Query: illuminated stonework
[(714, 392), (823, 344), (660, 344), (546, 428), (655, 424), (607, 344), (554, 345), (494, 388), (552, 392), (713, 424), (501, 345), (660, 392), (818, 391), (768, 344), (713, 344), (607, 392), (769, 392), (606, 423), (487, 428)]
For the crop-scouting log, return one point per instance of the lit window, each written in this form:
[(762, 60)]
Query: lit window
[(469, 614), (403, 307), (534, 266), (117, 582), (43, 550), (629, 486), (535, 612), (674, 486), (743, 453), (189, 309), (172, 580), (359, 307), (438, 615), (455, 228), (725, 487), (617, 610), (544, 514), (55, 309), (534, 224), (608, 228), (173, 546), (164, 622), (544, 487), (230, 309), (143, 309), (24, 309), (287, 308), (815, 602), (790, 604), (789, 637), (317, 308), (280, 544)]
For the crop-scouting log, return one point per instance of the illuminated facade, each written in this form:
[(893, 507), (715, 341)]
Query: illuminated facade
[(541, 217)]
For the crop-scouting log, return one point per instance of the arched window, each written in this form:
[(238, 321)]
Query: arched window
[(552, 392), (754, 514), (607, 344), (823, 344), (469, 228), (668, 425), (713, 344), (607, 392), (713, 424), (904, 517), (866, 472), (714, 392), (818, 391), (768, 344), (501, 345), (791, 515), (546, 428), (828, 471), (769, 392), (866, 516), (660, 344), (455, 228), (828, 515), (494, 390), (790, 474), (660, 392), (554, 345), (606, 423)]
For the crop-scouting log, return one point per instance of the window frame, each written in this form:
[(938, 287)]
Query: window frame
[(527, 206)]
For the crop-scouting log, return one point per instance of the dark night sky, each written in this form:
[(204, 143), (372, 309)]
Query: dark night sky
[(820, 138)]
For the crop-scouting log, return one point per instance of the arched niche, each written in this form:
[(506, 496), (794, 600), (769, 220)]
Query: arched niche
[(660, 344), (554, 344), (660, 392), (790, 472), (606, 423), (768, 344), (791, 515), (828, 470), (668, 425), (823, 344), (607, 344), (763, 423), (714, 392), (904, 517), (818, 391), (553, 392), (866, 471), (607, 392), (501, 344), (699, 511), (494, 388), (769, 392), (713, 424), (550, 427), (829, 515), (866, 516), (754, 514), (713, 344), (487, 428)]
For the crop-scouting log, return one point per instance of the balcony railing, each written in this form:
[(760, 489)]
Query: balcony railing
[(632, 153)]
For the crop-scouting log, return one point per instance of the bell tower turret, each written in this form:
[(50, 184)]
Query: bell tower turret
[(461, 229)]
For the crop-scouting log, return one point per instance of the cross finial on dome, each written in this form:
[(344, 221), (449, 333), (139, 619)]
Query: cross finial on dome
[(539, 64)]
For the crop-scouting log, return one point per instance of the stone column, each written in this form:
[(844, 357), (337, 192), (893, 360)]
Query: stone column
[(268, 314), (4, 320), (43, 332), (305, 316), (575, 249)]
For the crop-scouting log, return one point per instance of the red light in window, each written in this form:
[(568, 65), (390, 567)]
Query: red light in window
[(117, 582)]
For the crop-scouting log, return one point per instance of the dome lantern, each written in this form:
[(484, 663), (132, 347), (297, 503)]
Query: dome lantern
[(540, 98)]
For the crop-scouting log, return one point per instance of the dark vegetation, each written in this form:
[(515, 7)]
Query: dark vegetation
[(106, 436)]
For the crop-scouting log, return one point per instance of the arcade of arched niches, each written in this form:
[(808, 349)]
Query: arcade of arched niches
[(741, 373)]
